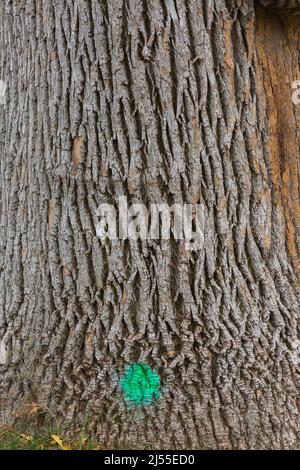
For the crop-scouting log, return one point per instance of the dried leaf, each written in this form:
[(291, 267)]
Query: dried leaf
[(25, 437), (59, 442), (34, 409)]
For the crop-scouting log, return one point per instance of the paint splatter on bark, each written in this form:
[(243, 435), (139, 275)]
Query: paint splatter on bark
[(140, 385)]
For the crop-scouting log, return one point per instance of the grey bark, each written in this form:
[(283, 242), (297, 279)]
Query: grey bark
[(161, 101)]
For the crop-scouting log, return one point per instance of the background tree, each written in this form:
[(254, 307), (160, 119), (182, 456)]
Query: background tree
[(183, 101)]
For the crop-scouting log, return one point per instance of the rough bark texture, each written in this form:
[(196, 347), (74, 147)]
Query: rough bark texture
[(160, 101), (285, 6)]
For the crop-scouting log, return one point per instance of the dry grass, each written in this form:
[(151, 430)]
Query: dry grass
[(43, 439), (37, 428)]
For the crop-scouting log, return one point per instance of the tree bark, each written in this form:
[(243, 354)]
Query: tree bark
[(175, 101)]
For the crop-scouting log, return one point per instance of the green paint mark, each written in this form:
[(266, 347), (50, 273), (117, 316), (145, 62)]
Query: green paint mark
[(140, 384)]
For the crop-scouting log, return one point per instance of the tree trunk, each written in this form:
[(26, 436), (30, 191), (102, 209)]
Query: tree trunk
[(166, 101)]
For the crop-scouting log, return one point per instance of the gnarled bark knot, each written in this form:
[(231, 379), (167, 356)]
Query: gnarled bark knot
[(288, 6)]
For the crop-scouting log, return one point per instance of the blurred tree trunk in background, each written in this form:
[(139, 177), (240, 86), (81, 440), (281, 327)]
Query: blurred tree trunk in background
[(183, 101)]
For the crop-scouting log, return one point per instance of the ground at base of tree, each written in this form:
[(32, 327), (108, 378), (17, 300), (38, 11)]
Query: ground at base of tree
[(47, 438)]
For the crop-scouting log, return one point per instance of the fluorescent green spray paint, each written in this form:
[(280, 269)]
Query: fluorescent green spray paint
[(140, 385)]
